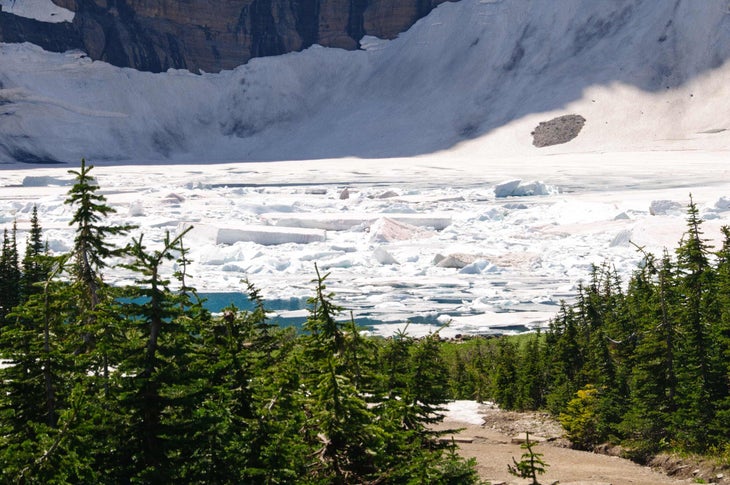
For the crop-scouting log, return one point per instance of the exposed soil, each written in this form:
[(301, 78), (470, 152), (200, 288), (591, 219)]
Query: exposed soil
[(492, 445)]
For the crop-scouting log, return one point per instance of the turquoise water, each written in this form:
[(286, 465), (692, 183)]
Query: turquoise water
[(216, 302)]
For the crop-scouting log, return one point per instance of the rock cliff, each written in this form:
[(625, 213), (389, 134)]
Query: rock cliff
[(155, 35)]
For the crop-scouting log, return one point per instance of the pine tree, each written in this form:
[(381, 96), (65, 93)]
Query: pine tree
[(530, 375), (530, 465), (35, 264), (506, 391), (160, 392), (428, 375), (348, 439), (92, 247), (278, 450), (695, 378), (647, 422), (97, 322), (564, 359), (721, 337), (9, 273)]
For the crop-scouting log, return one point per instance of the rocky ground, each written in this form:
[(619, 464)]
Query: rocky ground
[(493, 444)]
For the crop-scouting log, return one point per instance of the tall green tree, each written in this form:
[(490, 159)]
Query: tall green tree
[(648, 421), (92, 246), (348, 440), (160, 391), (35, 266), (9, 273), (695, 282), (97, 324)]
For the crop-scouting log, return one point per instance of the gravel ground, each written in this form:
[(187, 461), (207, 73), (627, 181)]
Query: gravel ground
[(491, 443)]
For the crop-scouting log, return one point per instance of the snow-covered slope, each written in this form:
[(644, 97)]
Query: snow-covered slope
[(43, 10), (645, 75), (395, 169)]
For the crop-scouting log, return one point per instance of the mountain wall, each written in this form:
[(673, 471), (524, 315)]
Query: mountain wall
[(155, 35), (507, 79)]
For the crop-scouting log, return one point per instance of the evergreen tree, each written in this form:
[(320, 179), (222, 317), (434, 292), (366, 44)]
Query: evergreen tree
[(721, 337), (530, 375), (564, 359), (647, 423), (695, 284), (159, 394), (506, 390), (348, 439), (428, 375), (35, 264), (531, 464), (92, 247), (9, 273), (97, 324)]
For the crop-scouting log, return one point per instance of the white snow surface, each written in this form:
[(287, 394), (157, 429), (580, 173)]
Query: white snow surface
[(465, 411), (43, 10), (423, 131)]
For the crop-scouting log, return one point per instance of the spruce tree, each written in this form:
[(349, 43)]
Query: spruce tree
[(721, 336), (9, 273), (347, 439), (35, 264), (653, 383), (506, 391), (97, 323), (695, 375), (158, 396), (564, 359), (92, 247), (531, 375)]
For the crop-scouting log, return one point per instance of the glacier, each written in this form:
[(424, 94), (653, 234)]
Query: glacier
[(429, 134)]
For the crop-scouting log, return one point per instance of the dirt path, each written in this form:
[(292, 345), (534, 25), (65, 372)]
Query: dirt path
[(491, 444)]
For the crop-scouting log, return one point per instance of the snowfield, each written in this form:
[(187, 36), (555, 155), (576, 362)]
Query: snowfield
[(405, 170), (500, 264)]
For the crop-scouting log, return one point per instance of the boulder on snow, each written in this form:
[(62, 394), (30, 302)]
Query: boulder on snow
[(557, 131)]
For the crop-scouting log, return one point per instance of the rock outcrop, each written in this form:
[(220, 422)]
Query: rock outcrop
[(558, 130), (155, 35), (55, 37)]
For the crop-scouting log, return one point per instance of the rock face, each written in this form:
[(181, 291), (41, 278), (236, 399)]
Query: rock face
[(155, 35), (53, 37)]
